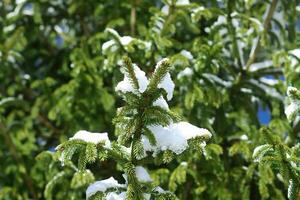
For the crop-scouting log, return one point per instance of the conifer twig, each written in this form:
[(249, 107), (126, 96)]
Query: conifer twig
[(266, 26), (130, 72), (160, 72)]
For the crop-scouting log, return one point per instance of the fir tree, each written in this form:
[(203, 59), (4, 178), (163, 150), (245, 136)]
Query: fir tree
[(149, 133)]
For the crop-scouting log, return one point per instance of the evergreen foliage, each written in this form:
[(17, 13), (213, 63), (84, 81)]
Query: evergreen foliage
[(229, 59)]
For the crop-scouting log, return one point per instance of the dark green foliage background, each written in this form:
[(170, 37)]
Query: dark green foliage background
[(55, 80)]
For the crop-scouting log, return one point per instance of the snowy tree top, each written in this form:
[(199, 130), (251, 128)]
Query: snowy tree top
[(166, 83)]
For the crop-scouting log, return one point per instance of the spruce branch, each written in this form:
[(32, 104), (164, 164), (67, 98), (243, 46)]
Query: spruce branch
[(162, 69), (129, 70), (116, 37), (280, 156)]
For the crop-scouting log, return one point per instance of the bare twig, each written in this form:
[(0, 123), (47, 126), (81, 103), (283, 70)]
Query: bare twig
[(133, 17), (231, 29), (266, 25)]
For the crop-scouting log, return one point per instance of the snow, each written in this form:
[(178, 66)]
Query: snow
[(107, 45), (122, 196), (244, 137), (160, 24), (294, 107), (125, 85), (279, 16), (290, 189), (221, 20), (182, 2), (165, 9), (167, 84), (102, 186), (159, 190), (186, 72), (147, 45), (125, 40), (142, 174), (187, 54), (190, 131), (161, 102), (269, 81), (296, 53), (270, 91), (91, 137), (115, 196), (261, 149), (173, 137), (260, 65)]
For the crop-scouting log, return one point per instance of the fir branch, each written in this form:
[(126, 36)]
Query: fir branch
[(162, 69), (129, 69), (116, 37)]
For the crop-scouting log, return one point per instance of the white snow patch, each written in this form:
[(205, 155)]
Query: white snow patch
[(260, 65), (147, 196), (291, 110), (182, 2), (294, 107), (279, 16), (258, 149), (142, 174), (122, 196), (102, 186), (167, 84), (244, 137), (165, 9), (125, 40), (159, 190), (115, 196), (125, 85), (161, 102), (269, 81), (296, 53), (173, 137), (221, 20), (108, 45), (187, 54), (91, 137), (186, 72), (270, 91)]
